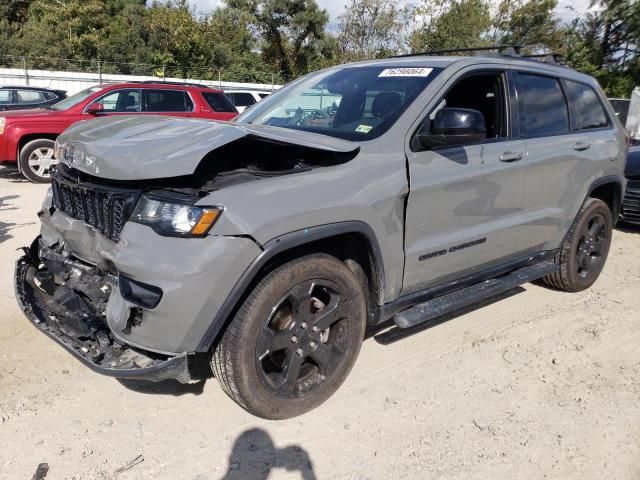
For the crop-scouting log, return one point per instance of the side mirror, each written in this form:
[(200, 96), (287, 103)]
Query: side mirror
[(451, 127), (95, 109)]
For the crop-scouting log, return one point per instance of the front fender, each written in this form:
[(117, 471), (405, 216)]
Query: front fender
[(279, 245)]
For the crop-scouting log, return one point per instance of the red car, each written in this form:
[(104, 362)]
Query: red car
[(27, 137)]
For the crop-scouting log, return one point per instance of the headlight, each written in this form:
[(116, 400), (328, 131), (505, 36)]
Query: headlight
[(2, 122), (58, 152), (174, 219)]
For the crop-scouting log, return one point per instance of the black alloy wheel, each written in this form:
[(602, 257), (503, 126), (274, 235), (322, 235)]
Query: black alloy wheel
[(303, 341), (295, 338)]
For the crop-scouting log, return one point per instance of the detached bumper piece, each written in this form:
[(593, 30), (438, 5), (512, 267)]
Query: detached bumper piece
[(65, 299), (631, 203)]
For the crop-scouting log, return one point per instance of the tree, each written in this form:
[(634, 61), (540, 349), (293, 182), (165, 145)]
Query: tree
[(290, 32), (73, 29), (605, 44), (369, 29), (447, 25), (528, 23)]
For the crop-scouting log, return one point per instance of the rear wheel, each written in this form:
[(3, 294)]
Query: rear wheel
[(36, 159), (584, 252), (294, 340)]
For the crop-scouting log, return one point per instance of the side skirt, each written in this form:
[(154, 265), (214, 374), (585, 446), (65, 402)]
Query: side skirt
[(459, 299), (405, 302)]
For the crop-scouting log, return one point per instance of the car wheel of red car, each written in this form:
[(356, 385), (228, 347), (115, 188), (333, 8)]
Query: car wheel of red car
[(36, 158)]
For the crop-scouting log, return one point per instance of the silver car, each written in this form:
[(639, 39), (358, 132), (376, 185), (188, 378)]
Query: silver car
[(386, 192)]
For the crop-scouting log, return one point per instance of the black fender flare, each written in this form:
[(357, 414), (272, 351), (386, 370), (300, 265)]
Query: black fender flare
[(598, 182), (279, 245)]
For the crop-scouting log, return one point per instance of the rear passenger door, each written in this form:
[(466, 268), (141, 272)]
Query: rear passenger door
[(30, 98), (559, 158), (169, 102)]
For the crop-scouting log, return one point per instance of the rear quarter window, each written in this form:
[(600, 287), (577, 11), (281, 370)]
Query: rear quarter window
[(542, 106), (587, 108), (219, 102)]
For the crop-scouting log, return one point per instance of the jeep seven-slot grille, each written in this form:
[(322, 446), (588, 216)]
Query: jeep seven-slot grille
[(106, 209), (631, 202)]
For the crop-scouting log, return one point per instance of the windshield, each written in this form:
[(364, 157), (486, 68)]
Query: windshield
[(354, 103), (73, 100)]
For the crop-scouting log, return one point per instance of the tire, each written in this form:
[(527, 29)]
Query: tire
[(36, 158), (585, 249), (294, 340)]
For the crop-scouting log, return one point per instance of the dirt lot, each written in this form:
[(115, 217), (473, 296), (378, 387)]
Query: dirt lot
[(540, 384)]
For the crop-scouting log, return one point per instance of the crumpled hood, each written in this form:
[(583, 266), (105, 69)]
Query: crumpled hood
[(145, 147)]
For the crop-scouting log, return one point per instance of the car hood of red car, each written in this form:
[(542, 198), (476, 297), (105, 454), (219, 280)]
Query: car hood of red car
[(31, 113), (148, 147)]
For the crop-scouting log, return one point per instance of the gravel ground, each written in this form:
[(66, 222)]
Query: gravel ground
[(540, 384)]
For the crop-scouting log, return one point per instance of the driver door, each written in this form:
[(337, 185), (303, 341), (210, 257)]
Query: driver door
[(464, 211)]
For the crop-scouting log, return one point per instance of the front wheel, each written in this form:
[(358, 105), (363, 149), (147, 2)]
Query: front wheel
[(295, 338), (36, 159)]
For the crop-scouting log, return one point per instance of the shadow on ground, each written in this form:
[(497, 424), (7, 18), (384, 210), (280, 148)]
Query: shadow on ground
[(6, 227), (254, 456), (12, 174), (165, 387), (628, 227)]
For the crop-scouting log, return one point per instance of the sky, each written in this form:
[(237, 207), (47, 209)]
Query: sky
[(567, 10)]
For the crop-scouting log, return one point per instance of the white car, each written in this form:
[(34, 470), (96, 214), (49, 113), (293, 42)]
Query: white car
[(245, 98)]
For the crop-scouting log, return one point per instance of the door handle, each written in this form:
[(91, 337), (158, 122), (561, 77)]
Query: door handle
[(580, 146), (510, 157)]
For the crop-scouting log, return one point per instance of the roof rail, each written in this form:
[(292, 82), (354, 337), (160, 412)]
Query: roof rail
[(505, 50), (163, 82), (513, 51)]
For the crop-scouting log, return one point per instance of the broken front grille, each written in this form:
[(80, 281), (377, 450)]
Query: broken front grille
[(104, 208)]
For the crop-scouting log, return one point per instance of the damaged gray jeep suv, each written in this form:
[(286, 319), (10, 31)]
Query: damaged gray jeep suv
[(388, 192)]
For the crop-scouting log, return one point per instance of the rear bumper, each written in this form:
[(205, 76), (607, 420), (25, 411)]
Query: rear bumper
[(101, 353), (631, 203)]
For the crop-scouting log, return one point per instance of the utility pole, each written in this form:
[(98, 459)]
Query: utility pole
[(26, 72), (99, 71)]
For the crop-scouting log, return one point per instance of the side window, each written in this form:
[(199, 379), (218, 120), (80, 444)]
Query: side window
[(121, 101), (242, 99), (263, 95), (485, 93), (219, 102), (30, 96), (5, 97), (167, 101), (587, 108), (543, 108)]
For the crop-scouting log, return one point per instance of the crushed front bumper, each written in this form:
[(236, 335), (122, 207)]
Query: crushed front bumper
[(81, 333)]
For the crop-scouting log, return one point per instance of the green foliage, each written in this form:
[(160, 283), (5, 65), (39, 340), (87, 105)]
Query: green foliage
[(605, 44), (529, 23), (457, 24), (370, 29), (289, 32)]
